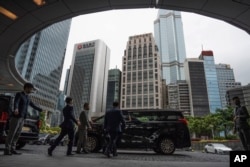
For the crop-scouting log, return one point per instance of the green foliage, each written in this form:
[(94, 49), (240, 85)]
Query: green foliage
[(220, 121), (45, 128)]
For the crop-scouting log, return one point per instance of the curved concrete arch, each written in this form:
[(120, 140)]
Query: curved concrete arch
[(32, 18)]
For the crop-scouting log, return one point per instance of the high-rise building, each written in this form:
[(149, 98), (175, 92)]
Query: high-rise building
[(66, 82), (243, 92), (169, 37), (211, 80), (114, 85), (40, 60), (196, 79), (141, 74), (178, 96), (226, 80), (88, 77)]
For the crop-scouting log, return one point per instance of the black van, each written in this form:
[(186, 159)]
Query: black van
[(160, 130), (32, 123)]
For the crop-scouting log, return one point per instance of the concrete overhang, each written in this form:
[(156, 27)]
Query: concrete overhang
[(32, 18)]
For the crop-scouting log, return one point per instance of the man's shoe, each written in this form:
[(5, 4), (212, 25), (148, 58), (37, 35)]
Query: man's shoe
[(78, 152), (7, 152), (85, 151), (115, 154), (49, 152), (107, 154), (70, 154), (16, 153)]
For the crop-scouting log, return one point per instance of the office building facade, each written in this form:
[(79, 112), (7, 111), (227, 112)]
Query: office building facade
[(211, 80), (169, 37), (196, 79), (226, 81), (178, 96), (88, 77), (243, 92), (141, 74), (114, 85), (40, 60)]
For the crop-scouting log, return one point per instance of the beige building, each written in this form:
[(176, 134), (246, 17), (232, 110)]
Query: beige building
[(141, 86)]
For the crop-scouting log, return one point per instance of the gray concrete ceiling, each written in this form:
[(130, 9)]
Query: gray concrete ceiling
[(32, 18)]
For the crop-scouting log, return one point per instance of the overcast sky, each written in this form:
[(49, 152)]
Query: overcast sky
[(229, 44)]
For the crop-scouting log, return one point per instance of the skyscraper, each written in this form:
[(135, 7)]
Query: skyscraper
[(226, 80), (40, 61), (178, 96), (196, 79), (114, 85), (211, 80), (169, 37), (88, 77), (141, 74), (243, 92)]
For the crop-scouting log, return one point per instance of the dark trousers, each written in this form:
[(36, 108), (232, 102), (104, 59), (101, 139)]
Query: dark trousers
[(244, 135), (111, 147), (64, 132)]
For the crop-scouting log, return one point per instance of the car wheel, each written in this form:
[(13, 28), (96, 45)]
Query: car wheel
[(206, 150), (166, 146), (216, 152), (20, 144), (93, 144)]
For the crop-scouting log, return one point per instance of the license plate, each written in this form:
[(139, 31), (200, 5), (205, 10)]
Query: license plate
[(25, 129)]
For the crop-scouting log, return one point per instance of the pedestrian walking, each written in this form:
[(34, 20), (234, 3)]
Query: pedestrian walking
[(67, 127), (114, 125), (241, 125), (17, 117), (83, 130)]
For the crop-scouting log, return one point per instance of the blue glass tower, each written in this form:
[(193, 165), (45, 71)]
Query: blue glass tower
[(211, 80), (169, 37)]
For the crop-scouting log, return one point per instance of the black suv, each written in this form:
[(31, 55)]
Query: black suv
[(160, 130), (30, 130)]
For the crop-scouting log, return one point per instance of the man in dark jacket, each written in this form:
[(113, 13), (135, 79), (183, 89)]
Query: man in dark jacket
[(21, 103), (114, 124), (241, 125), (67, 127)]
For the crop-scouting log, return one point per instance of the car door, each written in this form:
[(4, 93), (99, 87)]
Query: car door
[(137, 130)]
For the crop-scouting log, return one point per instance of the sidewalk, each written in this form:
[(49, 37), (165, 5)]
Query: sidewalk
[(61, 160)]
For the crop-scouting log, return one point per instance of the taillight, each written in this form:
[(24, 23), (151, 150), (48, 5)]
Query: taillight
[(39, 124), (4, 117), (183, 120)]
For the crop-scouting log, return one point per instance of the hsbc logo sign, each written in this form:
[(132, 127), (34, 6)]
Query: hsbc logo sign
[(85, 45)]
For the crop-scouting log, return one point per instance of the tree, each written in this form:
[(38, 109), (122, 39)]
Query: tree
[(212, 124)]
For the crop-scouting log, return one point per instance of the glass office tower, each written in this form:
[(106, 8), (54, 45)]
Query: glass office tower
[(226, 80), (88, 77), (211, 80), (114, 85), (40, 60), (196, 79), (169, 37)]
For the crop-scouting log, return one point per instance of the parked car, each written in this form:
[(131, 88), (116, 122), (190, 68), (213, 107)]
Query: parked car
[(217, 148), (63, 142), (32, 123), (160, 130)]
